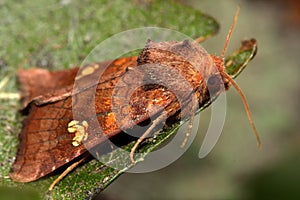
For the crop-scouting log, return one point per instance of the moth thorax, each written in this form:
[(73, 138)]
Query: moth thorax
[(186, 59)]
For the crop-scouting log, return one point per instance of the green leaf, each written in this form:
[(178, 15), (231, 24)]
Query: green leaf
[(237, 62), (58, 35)]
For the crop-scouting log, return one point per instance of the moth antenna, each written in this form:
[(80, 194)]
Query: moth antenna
[(235, 18), (246, 106), (235, 85)]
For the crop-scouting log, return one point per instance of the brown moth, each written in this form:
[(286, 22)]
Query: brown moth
[(51, 137)]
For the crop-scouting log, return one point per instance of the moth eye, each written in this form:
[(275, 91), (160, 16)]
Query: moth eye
[(214, 83), (213, 80)]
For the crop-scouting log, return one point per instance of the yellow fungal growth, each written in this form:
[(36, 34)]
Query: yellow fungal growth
[(80, 130)]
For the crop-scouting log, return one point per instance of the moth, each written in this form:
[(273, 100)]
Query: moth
[(52, 138)]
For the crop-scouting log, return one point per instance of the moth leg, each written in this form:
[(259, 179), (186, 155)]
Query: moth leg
[(68, 170), (148, 131), (190, 125)]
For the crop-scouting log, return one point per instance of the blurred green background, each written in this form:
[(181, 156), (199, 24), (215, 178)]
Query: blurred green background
[(235, 169)]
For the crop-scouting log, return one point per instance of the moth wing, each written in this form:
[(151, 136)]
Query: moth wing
[(46, 144), (36, 83)]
